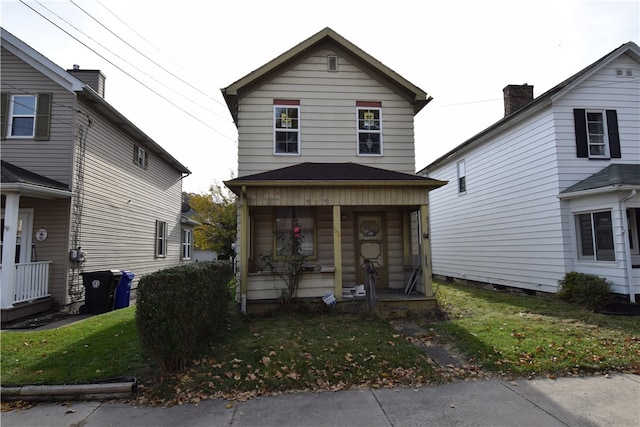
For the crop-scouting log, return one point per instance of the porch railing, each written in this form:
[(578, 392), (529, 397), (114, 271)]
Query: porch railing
[(31, 281)]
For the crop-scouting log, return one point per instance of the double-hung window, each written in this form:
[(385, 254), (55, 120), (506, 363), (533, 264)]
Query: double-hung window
[(187, 243), (161, 239), (25, 116), (462, 176), (140, 157), (286, 126), (595, 236), (597, 134), (369, 127)]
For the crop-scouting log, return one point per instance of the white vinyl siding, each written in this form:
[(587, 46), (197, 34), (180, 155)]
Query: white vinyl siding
[(53, 157), (513, 229), (327, 104), (507, 230)]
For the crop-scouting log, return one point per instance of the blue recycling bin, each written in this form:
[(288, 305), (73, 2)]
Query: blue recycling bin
[(123, 291)]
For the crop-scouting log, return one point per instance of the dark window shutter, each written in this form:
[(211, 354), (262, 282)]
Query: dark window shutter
[(4, 115), (580, 122), (146, 159), (614, 136), (135, 154), (43, 117)]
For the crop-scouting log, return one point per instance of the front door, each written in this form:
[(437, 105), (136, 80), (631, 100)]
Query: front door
[(371, 245)]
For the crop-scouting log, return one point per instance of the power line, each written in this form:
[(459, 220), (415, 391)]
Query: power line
[(126, 73), (143, 55), (127, 62)]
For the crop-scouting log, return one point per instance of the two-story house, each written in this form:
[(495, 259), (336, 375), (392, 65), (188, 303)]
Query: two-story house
[(326, 137), (83, 189), (550, 188)]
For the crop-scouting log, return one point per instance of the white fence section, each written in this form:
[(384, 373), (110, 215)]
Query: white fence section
[(31, 281)]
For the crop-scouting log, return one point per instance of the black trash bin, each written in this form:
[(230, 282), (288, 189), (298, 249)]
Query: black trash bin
[(123, 292), (100, 287)]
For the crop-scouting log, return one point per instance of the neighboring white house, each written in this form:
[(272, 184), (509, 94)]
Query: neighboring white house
[(550, 188)]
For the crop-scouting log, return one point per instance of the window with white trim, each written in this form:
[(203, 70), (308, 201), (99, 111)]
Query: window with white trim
[(462, 176), (161, 239), (597, 135), (286, 126), (633, 222), (187, 243), (594, 231), (25, 116), (369, 127)]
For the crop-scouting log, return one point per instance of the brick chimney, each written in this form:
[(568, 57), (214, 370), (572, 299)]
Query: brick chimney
[(516, 97), (92, 78)]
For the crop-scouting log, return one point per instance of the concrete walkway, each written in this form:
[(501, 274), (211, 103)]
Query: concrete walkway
[(585, 401)]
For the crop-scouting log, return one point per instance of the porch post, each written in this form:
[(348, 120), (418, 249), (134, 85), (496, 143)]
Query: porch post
[(11, 209), (244, 248), (337, 252), (425, 249)]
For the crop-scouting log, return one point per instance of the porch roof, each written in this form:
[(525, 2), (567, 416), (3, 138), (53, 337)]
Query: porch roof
[(15, 179), (333, 174), (613, 177)]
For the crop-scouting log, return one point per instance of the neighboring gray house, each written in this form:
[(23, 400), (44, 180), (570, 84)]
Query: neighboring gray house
[(549, 189), (83, 189)]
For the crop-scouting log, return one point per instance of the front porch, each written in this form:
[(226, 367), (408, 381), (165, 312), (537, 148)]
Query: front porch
[(30, 290)]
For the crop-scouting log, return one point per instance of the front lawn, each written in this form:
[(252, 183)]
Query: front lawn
[(100, 347), (507, 334), (520, 335)]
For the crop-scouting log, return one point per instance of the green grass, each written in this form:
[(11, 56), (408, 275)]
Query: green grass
[(511, 335), (310, 351), (104, 346), (519, 335)]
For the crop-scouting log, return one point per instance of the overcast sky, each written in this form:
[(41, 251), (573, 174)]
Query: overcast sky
[(165, 61)]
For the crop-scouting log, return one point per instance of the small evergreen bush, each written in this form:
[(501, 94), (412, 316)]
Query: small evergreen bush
[(182, 308), (585, 289)]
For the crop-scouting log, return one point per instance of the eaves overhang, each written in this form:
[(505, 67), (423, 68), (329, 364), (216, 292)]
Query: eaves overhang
[(597, 191), (427, 184), (36, 191)]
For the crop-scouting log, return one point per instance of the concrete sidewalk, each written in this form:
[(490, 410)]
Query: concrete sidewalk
[(584, 401)]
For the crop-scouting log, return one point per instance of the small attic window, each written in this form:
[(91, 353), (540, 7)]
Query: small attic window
[(332, 62)]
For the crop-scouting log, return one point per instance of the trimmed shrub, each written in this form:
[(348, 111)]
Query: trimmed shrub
[(180, 309), (585, 289)]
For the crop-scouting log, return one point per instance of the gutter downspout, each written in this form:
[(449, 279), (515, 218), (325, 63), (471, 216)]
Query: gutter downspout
[(627, 249)]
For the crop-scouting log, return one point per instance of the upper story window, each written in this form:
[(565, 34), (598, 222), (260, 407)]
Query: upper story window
[(462, 176), (369, 127), (286, 126), (140, 157), (26, 116), (597, 134), (595, 236)]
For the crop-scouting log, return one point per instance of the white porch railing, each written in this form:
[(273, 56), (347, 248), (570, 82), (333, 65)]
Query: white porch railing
[(31, 281)]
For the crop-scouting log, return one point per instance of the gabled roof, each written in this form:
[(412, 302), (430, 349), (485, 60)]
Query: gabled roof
[(332, 174), (629, 48), (324, 38), (612, 177), (14, 178), (41, 63)]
